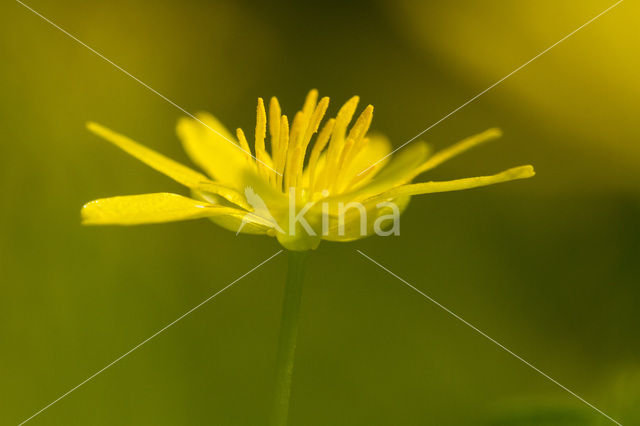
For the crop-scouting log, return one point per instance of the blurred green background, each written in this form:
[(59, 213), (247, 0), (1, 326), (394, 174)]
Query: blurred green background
[(549, 266)]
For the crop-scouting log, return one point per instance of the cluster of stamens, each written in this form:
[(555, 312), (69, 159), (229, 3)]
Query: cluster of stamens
[(326, 169)]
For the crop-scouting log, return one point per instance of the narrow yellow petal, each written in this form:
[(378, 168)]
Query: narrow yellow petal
[(521, 172), (361, 178), (148, 208), (398, 171), (173, 169), (352, 221), (248, 223), (374, 149), (458, 148), (243, 222), (224, 161), (181, 174), (229, 194)]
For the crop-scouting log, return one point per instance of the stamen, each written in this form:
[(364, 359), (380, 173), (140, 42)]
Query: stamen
[(337, 139), (291, 177), (274, 127), (310, 102), (346, 150), (342, 121), (362, 124), (284, 148), (264, 159), (354, 144), (312, 127), (243, 143), (315, 120), (297, 128), (344, 178), (321, 143), (332, 153)]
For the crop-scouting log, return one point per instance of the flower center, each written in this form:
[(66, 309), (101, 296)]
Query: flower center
[(328, 169)]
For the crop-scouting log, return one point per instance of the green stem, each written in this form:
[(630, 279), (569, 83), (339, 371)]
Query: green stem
[(288, 334)]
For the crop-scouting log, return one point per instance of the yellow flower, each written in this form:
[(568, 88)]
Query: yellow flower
[(340, 189)]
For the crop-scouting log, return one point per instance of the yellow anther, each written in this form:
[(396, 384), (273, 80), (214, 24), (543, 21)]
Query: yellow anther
[(283, 149), (274, 127), (243, 142), (262, 157), (362, 124), (310, 102), (321, 143)]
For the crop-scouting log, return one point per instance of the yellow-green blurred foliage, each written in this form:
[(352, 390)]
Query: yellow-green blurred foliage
[(550, 266)]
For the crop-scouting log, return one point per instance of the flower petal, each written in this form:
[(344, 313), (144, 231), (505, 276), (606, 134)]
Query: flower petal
[(521, 172), (253, 224), (376, 151), (215, 151), (397, 172), (457, 149), (234, 223), (176, 171), (159, 162), (352, 228), (148, 208)]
